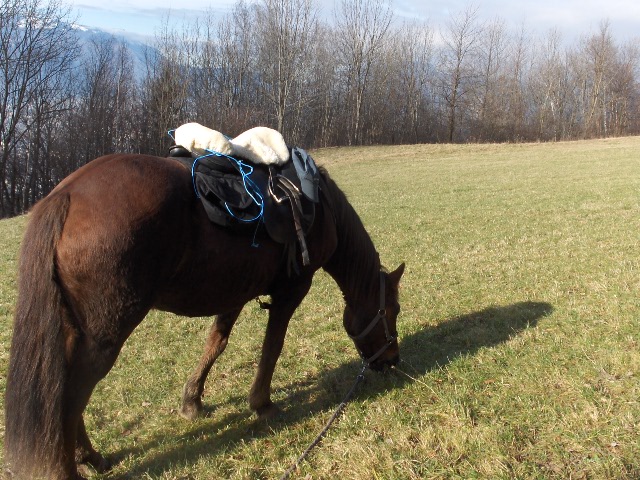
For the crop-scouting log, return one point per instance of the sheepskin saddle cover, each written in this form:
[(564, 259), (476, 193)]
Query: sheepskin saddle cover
[(257, 145)]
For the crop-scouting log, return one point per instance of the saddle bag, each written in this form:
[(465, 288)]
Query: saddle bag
[(245, 197)]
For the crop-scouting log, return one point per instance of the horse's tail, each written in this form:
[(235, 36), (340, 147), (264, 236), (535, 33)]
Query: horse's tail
[(34, 440)]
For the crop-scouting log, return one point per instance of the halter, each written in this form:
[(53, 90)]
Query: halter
[(381, 315)]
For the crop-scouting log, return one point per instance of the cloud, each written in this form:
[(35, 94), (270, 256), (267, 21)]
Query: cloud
[(571, 17)]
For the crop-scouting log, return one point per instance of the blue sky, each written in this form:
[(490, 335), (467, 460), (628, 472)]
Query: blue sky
[(571, 17)]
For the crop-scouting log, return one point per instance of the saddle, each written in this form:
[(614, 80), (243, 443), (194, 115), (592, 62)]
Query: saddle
[(255, 198)]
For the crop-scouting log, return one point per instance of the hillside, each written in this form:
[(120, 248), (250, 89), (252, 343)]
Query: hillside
[(518, 329)]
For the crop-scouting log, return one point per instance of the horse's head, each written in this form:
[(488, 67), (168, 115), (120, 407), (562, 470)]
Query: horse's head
[(373, 326)]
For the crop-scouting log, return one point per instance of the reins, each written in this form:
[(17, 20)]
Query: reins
[(366, 362), (294, 466), (320, 436)]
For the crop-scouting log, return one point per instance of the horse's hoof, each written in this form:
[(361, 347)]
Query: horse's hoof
[(92, 459), (268, 412), (95, 461), (190, 410), (103, 466), (83, 472)]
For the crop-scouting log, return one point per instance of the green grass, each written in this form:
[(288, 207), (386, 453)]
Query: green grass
[(519, 325)]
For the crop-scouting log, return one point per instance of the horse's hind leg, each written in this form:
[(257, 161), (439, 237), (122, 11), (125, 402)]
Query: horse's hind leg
[(87, 369), (93, 356), (84, 374), (216, 343), (85, 453)]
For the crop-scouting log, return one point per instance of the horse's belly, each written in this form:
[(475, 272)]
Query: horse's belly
[(222, 273)]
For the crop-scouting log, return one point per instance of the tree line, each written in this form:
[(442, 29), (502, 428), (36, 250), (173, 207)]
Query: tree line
[(363, 77)]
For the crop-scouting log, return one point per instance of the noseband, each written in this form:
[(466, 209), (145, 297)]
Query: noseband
[(381, 315)]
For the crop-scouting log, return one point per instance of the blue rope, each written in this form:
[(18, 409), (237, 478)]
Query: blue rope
[(193, 174)]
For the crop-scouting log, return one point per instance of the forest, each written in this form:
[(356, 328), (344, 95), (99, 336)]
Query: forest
[(359, 76)]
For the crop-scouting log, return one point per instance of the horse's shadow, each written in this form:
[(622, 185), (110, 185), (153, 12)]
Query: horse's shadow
[(424, 350)]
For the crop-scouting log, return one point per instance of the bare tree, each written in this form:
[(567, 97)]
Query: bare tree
[(95, 110), (126, 102), (415, 52), (461, 40), (106, 107), (222, 74), (37, 52), (165, 88), (548, 88), (491, 98), (515, 114), (596, 61), (624, 98), (286, 32), (322, 90), (361, 31), (234, 67)]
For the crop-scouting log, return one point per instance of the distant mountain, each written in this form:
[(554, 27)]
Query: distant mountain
[(139, 46)]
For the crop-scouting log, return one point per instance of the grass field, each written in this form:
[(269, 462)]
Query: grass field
[(519, 326)]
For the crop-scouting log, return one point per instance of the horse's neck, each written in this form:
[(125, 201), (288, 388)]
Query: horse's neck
[(355, 264)]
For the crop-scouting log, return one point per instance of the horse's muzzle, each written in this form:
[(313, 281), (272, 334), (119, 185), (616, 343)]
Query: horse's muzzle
[(380, 366)]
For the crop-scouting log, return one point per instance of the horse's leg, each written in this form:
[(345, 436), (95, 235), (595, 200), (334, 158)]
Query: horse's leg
[(216, 343), (283, 304), (85, 453), (87, 368), (91, 357)]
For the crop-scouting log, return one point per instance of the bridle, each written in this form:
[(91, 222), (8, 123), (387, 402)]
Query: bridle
[(381, 315)]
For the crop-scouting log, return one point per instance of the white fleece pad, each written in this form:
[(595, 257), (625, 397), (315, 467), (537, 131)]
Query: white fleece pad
[(258, 145), (198, 139), (261, 145)]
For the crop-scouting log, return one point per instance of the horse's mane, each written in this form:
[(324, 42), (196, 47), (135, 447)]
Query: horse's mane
[(355, 263)]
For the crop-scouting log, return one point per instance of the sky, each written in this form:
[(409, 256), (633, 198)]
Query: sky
[(572, 18)]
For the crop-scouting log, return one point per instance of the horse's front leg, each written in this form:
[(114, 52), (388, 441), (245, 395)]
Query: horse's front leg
[(216, 343), (282, 307)]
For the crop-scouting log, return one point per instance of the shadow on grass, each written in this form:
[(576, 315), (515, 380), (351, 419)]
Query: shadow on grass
[(425, 350)]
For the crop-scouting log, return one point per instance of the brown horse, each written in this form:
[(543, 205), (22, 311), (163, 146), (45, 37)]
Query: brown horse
[(125, 234)]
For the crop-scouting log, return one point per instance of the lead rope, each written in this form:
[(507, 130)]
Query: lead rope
[(326, 428)]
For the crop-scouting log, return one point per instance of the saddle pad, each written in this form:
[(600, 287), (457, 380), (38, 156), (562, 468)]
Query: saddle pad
[(307, 172)]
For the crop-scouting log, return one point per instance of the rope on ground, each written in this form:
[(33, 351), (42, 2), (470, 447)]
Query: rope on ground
[(326, 428)]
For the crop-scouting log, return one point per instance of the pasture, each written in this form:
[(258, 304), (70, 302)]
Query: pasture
[(519, 326)]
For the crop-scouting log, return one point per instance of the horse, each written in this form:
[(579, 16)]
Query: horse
[(125, 234)]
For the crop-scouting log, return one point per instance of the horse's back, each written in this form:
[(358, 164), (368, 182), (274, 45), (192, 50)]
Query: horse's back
[(141, 181), (136, 237)]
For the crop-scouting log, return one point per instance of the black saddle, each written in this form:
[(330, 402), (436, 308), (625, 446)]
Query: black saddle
[(245, 197)]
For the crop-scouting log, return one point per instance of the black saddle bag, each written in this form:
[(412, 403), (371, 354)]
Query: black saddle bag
[(237, 194)]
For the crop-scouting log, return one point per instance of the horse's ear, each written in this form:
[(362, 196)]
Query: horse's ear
[(397, 274)]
